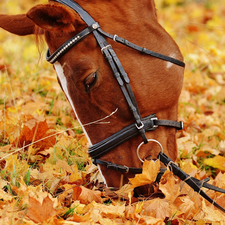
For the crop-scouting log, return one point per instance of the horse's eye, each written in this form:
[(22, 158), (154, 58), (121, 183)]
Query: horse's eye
[(90, 81)]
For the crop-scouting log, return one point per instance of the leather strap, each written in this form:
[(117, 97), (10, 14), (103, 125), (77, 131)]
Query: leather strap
[(194, 183), (170, 123), (141, 49), (70, 43), (125, 169), (83, 14), (150, 123), (122, 169)]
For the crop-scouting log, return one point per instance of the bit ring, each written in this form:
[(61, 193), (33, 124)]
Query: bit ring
[(149, 140)]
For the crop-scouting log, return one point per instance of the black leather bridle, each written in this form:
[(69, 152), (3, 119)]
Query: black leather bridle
[(141, 125)]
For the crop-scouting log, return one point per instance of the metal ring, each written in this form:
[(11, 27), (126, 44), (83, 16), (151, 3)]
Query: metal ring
[(139, 146)]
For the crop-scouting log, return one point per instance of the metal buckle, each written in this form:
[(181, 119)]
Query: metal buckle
[(106, 47), (127, 169), (181, 125), (141, 126), (114, 37), (154, 118)]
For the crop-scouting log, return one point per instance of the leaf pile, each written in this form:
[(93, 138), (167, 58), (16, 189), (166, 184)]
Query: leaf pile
[(46, 175)]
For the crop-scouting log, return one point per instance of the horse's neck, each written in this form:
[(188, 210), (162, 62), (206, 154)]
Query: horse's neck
[(130, 11)]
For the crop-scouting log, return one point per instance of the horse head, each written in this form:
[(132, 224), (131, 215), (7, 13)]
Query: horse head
[(88, 81)]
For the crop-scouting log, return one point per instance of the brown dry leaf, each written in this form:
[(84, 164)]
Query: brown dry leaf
[(186, 206), (221, 200), (31, 107), (143, 220), (169, 187), (124, 191), (211, 215), (66, 197), (5, 196), (13, 165), (40, 213), (92, 217), (33, 131), (157, 208), (106, 221), (5, 148), (220, 181), (96, 212), (148, 176), (85, 195), (110, 211), (189, 168)]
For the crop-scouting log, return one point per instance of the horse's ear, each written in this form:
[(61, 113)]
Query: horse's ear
[(53, 17), (17, 24)]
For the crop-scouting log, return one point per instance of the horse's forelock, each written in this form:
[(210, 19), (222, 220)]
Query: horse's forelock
[(40, 42)]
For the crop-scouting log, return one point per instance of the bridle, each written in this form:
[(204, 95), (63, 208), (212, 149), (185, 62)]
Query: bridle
[(141, 125)]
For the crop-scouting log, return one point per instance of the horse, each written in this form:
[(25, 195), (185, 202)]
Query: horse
[(151, 83)]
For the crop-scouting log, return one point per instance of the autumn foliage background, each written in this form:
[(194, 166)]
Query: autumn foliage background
[(46, 175)]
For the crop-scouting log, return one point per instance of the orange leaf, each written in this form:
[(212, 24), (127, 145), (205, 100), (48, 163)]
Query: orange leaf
[(169, 187), (157, 208), (148, 176), (34, 131), (38, 212), (85, 195)]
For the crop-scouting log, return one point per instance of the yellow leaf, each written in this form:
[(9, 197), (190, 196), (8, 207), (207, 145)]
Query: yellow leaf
[(216, 162), (148, 176)]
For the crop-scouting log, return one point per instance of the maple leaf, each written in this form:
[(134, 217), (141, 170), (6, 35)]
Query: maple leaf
[(148, 176), (169, 187), (40, 213), (33, 131), (158, 208), (85, 195)]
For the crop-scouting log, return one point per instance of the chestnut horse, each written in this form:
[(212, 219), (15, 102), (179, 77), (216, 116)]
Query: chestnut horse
[(88, 81)]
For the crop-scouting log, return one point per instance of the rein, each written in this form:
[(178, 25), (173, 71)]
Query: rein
[(141, 125)]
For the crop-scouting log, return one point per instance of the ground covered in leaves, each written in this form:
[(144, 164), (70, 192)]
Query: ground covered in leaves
[(46, 175)]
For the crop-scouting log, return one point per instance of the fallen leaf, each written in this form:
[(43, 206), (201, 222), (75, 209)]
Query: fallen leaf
[(216, 162), (157, 208), (85, 195), (169, 187), (148, 176), (38, 212), (38, 132)]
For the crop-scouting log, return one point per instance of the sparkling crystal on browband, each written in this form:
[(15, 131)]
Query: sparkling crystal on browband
[(70, 43)]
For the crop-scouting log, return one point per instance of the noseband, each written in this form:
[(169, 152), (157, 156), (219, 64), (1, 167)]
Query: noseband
[(141, 125)]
